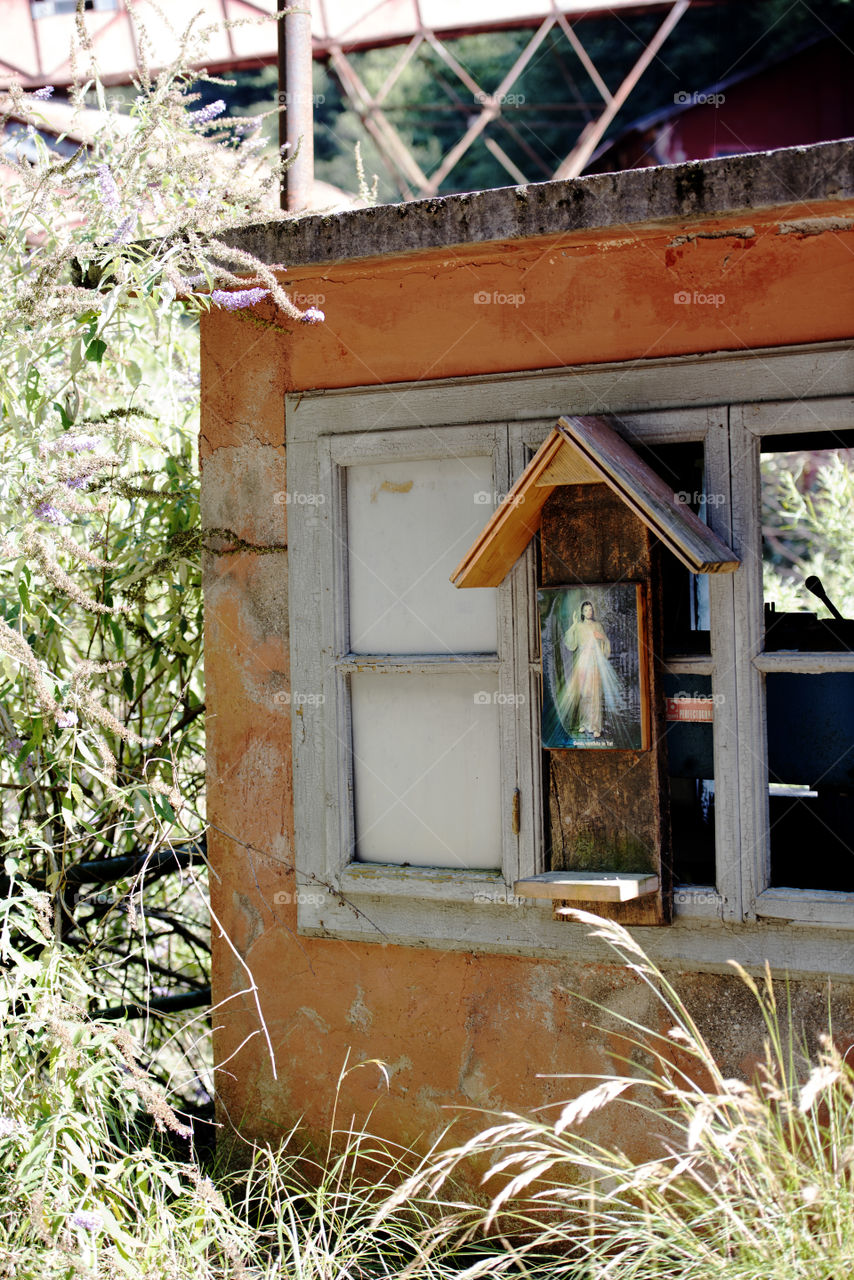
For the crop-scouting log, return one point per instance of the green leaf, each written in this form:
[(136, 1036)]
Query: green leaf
[(75, 793), (64, 418), (163, 808), (77, 1156), (31, 388), (95, 350)]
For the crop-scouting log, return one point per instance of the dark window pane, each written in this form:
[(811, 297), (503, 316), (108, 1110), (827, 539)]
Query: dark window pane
[(690, 766), (811, 780), (686, 594)]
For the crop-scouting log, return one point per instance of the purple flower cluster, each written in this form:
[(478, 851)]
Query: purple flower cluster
[(43, 94), (109, 190), (87, 1219), (239, 298), (50, 514), (122, 232), (205, 114), (312, 316), (74, 444), (188, 283)]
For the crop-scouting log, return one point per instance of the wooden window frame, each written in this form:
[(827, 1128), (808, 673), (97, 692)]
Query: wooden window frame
[(749, 423), (318, 553), (658, 402)]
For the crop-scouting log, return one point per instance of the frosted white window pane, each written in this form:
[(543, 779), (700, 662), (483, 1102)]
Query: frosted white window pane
[(426, 769), (409, 525)]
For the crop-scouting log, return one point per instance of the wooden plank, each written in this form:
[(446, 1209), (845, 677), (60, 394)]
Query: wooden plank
[(804, 663), (586, 886), (750, 786), (511, 526), (503, 541), (680, 385), (681, 531), (607, 810), (568, 467), (813, 906)]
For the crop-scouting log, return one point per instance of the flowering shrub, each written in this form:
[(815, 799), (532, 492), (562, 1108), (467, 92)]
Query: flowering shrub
[(107, 256)]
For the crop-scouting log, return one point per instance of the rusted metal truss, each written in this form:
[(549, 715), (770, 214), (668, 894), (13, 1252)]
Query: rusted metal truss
[(411, 180), (243, 33)]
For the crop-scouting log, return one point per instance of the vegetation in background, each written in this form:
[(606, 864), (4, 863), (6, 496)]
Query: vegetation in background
[(99, 1177), (807, 501), (101, 710)]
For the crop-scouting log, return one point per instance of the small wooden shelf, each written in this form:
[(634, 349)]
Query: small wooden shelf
[(587, 886)]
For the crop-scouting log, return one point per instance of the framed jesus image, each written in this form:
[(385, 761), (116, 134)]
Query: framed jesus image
[(595, 685)]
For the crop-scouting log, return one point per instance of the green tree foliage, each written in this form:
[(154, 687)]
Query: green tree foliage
[(807, 501)]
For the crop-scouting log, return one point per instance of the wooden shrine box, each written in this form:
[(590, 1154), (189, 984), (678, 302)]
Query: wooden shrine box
[(389, 840), (600, 510)]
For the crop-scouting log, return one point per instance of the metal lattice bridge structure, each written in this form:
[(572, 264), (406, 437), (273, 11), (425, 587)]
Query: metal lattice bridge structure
[(36, 35)]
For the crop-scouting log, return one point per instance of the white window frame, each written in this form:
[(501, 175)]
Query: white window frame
[(658, 401)]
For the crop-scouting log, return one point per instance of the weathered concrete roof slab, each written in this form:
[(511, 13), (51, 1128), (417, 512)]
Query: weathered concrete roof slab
[(792, 179)]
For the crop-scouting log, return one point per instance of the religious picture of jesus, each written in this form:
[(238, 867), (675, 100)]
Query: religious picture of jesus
[(593, 675)]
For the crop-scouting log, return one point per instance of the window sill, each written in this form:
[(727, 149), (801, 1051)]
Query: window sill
[(807, 906), (424, 883), (497, 923)]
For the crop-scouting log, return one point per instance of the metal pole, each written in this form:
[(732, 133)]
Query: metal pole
[(296, 121)]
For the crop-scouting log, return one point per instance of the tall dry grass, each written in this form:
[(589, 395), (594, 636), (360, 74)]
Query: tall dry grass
[(751, 1180)]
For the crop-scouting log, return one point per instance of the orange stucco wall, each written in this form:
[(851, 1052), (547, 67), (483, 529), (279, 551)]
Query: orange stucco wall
[(454, 1029)]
